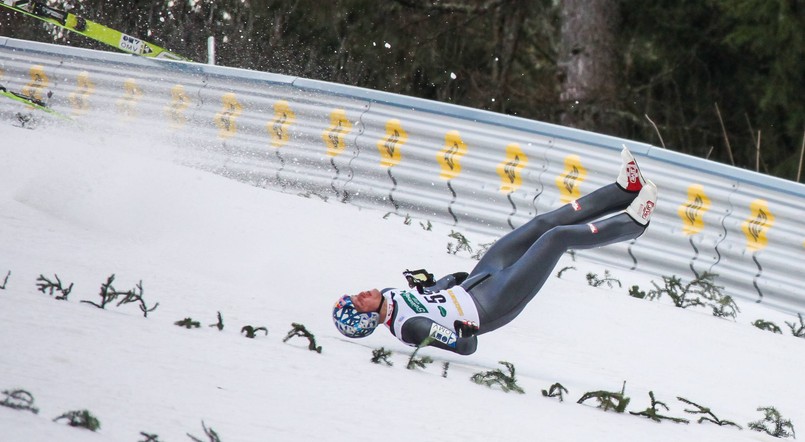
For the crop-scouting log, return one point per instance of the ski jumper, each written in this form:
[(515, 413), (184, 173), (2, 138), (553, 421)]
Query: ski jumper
[(511, 272)]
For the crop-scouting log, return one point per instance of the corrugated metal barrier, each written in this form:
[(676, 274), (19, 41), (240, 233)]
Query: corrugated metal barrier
[(478, 170)]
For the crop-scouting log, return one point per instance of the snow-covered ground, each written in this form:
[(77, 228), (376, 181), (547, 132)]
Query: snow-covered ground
[(84, 206)]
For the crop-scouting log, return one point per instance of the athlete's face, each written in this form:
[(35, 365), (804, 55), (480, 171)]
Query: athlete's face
[(368, 301)]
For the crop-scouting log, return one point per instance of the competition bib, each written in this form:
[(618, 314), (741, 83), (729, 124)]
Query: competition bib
[(443, 307)]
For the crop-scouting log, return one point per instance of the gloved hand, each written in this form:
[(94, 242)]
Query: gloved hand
[(419, 279), (465, 328)]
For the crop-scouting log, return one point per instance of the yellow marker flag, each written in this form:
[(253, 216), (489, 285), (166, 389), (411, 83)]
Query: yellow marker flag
[(175, 110), (334, 136), (390, 146), (693, 210), (132, 94), (449, 157), (510, 169), (569, 181), (39, 82), (279, 127), (757, 225), (226, 119), (79, 99)]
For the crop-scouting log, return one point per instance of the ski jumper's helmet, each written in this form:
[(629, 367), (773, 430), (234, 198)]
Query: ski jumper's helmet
[(352, 323)]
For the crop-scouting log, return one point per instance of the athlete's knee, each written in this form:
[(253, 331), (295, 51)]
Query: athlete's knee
[(558, 236)]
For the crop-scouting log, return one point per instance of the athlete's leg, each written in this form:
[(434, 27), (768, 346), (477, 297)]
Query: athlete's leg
[(604, 201), (514, 244), (502, 296)]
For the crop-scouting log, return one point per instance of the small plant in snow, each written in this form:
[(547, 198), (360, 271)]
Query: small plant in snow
[(19, 400), (564, 269), (136, 295), (773, 424), (414, 362), (109, 294), (654, 414), (251, 332), (220, 324), (5, 281), (556, 390), (81, 419), (595, 281), (427, 227), (608, 399), (47, 286), (797, 330), (507, 382), (381, 355), (148, 437), (680, 294), (710, 416), (482, 250), (462, 243), (422, 362), (300, 330), (635, 292), (187, 323), (701, 291), (725, 307), (767, 326), (445, 367), (211, 434)]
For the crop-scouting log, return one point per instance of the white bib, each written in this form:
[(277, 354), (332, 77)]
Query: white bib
[(443, 307)]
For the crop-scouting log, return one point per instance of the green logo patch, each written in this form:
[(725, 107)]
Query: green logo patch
[(442, 311), (414, 303)]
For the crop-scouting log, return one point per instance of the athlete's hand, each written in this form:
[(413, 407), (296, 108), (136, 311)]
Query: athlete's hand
[(465, 328)]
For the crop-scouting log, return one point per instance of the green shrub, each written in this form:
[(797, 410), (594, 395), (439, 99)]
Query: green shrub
[(81, 419)]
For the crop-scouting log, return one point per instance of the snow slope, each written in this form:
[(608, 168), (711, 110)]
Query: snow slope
[(87, 205)]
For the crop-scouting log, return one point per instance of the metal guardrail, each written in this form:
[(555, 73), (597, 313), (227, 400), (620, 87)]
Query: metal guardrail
[(477, 170)]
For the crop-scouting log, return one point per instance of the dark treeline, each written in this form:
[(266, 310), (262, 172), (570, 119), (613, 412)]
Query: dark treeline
[(718, 78)]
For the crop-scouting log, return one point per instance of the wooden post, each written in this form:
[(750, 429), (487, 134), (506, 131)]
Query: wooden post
[(801, 151), (757, 154), (726, 138), (656, 130)]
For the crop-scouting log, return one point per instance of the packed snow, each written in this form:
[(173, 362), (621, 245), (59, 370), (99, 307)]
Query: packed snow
[(83, 205)]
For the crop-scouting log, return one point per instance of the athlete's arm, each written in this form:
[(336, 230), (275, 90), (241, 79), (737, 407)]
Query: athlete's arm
[(416, 330), (447, 281)]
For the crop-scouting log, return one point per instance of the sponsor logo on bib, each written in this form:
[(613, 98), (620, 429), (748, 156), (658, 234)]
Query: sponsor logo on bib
[(443, 335), (456, 303), (414, 303)]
